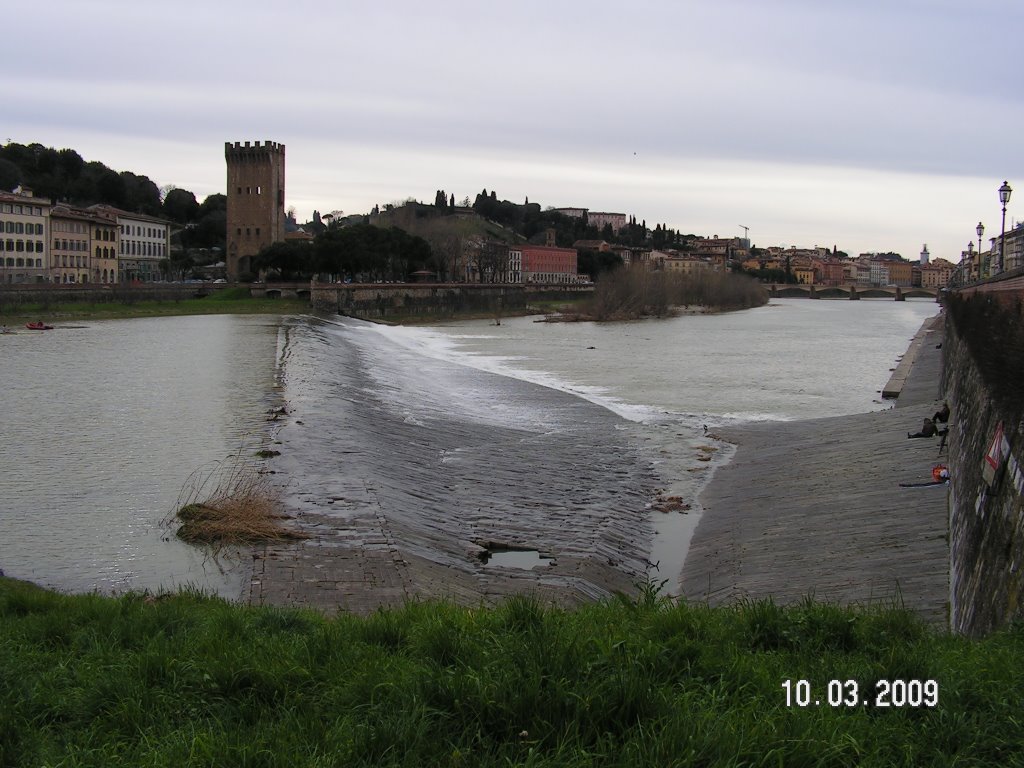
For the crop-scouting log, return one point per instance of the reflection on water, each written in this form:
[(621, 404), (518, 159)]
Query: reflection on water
[(103, 424)]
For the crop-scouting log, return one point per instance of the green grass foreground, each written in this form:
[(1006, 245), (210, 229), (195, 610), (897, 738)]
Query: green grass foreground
[(188, 680)]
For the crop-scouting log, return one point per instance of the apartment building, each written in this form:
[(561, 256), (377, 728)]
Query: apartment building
[(24, 234), (142, 243), (83, 248), (686, 265)]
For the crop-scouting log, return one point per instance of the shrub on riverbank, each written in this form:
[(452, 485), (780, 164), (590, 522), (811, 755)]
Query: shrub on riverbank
[(220, 303), (635, 292), (189, 680), (230, 505)]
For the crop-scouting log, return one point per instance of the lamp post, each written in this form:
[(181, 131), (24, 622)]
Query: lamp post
[(980, 229), (1004, 198), (970, 263)]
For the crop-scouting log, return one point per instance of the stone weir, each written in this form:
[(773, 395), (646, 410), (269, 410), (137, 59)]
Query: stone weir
[(840, 509), (383, 300)]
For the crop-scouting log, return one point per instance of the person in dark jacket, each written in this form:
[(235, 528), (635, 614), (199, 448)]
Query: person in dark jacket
[(928, 429)]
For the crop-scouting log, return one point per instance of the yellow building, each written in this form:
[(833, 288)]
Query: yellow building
[(685, 264), (83, 248), (804, 275), (901, 273)]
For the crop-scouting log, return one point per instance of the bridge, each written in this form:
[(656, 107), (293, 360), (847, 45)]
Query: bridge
[(854, 292)]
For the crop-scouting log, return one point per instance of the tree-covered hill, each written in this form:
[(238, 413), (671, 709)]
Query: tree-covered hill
[(64, 176)]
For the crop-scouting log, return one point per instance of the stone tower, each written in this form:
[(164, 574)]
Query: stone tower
[(255, 202)]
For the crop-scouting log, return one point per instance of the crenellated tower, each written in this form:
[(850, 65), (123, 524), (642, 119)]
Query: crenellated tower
[(255, 202)]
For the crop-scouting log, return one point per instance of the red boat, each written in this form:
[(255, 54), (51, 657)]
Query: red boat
[(39, 325)]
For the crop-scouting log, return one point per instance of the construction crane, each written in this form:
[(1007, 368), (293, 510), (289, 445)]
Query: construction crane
[(746, 231)]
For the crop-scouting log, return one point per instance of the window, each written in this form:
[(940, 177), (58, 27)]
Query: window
[(19, 228), (39, 229), (39, 246), (257, 231), (10, 226), (19, 246), (97, 251)]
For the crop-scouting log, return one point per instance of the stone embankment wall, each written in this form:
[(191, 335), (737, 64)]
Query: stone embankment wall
[(14, 296), (405, 299), (982, 379)]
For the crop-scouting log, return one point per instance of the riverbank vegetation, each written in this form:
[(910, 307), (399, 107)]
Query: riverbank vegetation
[(636, 292), (232, 504), (190, 680), (228, 301)]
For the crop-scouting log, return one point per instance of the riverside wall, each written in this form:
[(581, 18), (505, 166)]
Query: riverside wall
[(982, 379), (15, 296), (383, 300)]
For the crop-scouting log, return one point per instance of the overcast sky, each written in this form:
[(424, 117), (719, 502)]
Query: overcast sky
[(871, 125)]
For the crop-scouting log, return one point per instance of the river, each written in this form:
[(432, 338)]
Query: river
[(106, 423)]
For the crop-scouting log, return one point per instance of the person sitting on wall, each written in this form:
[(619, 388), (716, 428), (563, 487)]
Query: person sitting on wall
[(942, 414), (928, 429)]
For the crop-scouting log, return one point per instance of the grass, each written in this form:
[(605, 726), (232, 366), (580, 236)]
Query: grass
[(186, 679), (226, 301)]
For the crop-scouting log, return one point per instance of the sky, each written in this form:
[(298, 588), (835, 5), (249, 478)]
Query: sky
[(871, 126)]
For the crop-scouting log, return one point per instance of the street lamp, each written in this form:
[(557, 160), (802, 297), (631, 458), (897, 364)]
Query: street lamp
[(1004, 198), (970, 262), (980, 229)]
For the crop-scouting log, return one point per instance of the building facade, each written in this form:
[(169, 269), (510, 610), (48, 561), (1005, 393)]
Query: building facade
[(83, 247), (24, 237), (255, 194), (142, 243), (601, 219), (547, 264)]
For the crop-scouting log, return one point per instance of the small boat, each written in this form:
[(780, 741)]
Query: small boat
[(39, 325)]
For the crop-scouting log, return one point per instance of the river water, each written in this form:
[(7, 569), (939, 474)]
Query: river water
[(104, 424)]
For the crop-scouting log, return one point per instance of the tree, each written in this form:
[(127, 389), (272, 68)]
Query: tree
[(291, 260), (367, 253), (181, 206), (10, 175)]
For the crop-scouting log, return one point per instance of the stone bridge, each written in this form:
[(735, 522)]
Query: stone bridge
[(854, 292)]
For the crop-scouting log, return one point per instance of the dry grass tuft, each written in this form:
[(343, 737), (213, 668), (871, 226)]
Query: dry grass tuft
[(233, 504)]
